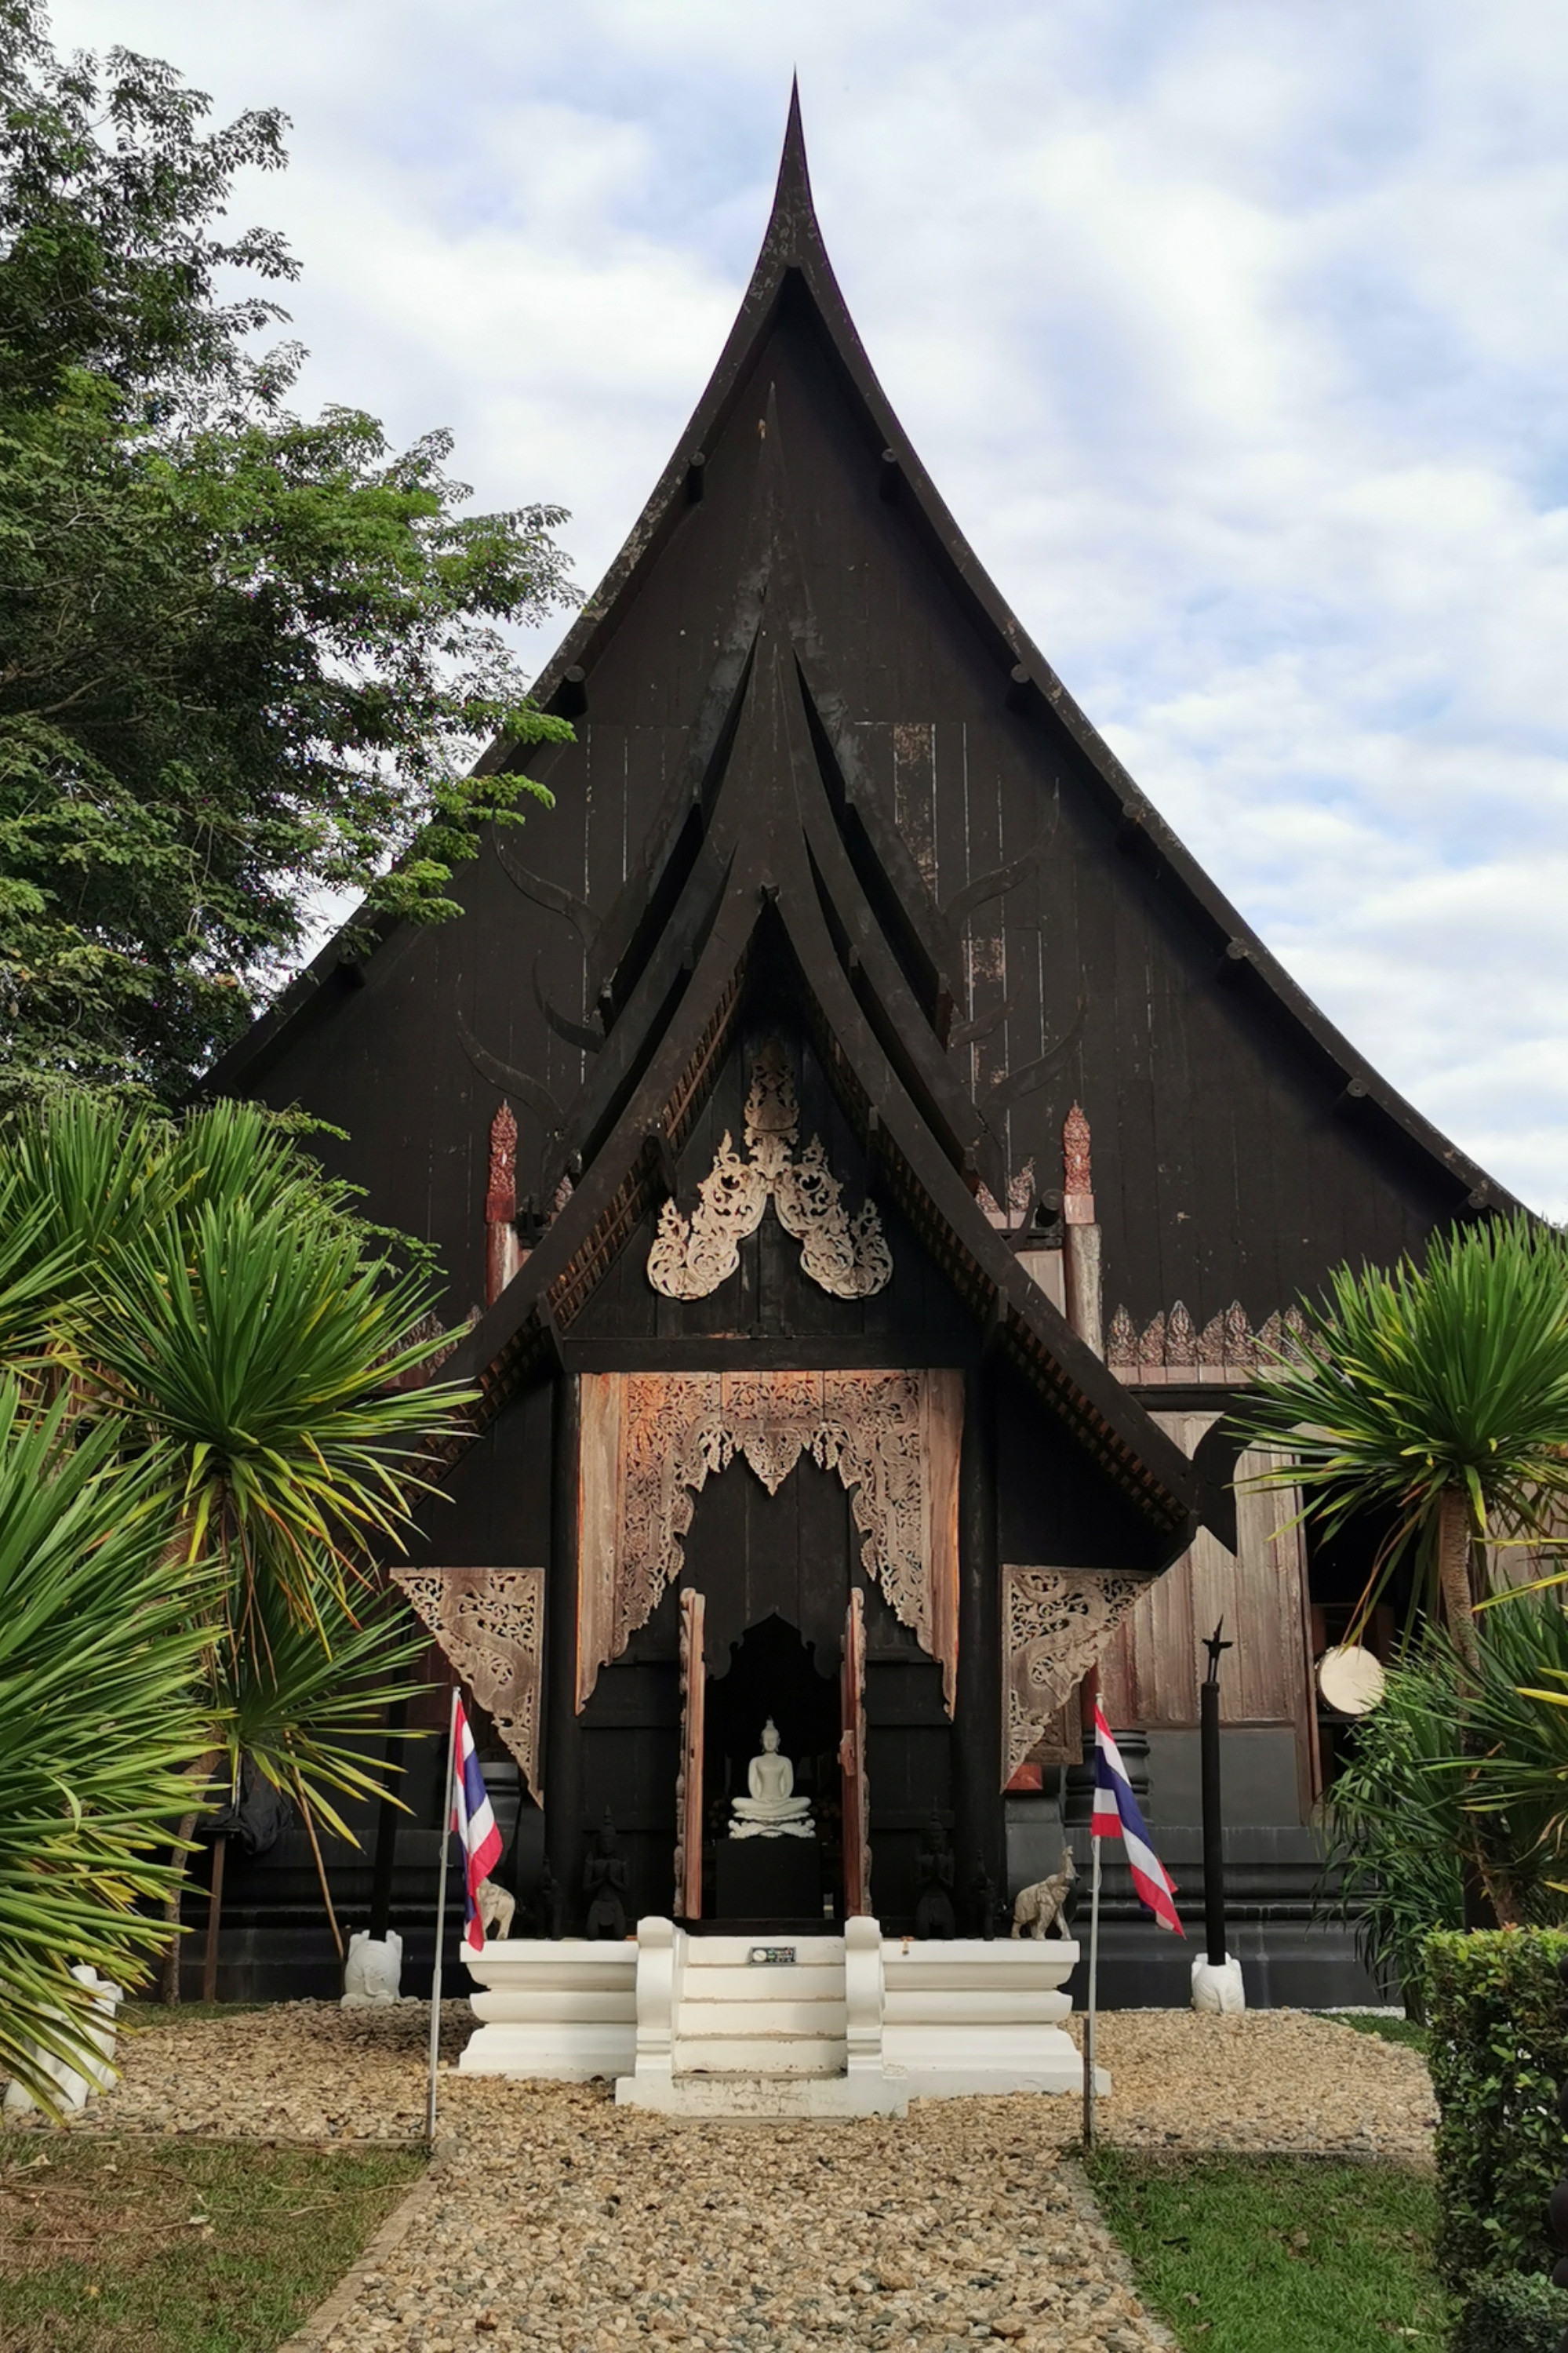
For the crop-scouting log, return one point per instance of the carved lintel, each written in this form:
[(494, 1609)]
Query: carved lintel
[(1056, 1622), (651, 1441), (847, 1255), (491, 1624)]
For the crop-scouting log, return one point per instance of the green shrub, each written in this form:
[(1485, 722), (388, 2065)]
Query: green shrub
[(1515, 2313), (1498, 2019)]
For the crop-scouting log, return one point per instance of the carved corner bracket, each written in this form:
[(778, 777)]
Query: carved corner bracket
[(491, 1624), (1055, 1624)]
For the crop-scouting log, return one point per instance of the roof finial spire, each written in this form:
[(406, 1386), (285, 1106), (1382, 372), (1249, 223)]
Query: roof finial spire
[(792, 207)]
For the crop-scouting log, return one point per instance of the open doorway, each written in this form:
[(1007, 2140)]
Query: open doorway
[(771, 1674)]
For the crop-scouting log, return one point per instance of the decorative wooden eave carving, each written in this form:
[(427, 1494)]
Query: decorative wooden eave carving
[(1055, 1624), (848, 1257), (491, 1624), (1170, 1351)]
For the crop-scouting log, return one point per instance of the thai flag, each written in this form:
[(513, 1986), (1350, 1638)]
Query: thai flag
[(1116, 1815), (474, 1822)]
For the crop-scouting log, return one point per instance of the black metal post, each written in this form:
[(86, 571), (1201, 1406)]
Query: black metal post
[(1214, 1816), (385, 1835)]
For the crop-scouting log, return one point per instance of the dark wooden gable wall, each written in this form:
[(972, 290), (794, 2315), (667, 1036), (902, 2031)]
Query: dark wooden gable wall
[(1230, 1160)]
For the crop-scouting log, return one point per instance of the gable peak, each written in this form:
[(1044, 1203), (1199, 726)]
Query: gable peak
[(792, 224)]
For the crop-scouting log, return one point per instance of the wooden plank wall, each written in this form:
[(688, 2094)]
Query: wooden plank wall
[(1154, 1663)]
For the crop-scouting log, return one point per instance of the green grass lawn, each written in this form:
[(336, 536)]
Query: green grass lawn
[(141, 2246), (1279, 2255), (1389, 2029)]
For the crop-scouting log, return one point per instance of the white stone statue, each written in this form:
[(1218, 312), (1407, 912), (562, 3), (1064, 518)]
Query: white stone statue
[(496, 1909), (1043, 1907), (373, 1972), (772, 1809), (77, 2087)]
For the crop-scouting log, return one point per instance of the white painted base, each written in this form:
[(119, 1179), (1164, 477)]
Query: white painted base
[(1217, 1986), (563, 2011), (764, 2097), (855, 2025)]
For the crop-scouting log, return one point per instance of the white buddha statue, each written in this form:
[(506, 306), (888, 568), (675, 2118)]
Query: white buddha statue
[(772, 1809)]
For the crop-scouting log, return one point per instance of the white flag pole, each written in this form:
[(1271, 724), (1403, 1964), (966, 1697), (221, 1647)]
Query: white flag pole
[(441, 1917), (1094, 1993)]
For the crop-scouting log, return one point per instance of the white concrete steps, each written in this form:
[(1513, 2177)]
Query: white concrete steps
[(741, 2012)]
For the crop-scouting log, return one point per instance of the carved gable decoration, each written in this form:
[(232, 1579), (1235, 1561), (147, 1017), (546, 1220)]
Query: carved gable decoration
[(1055, 1624), (651, 1441), (847, 1255), (491, 1624)]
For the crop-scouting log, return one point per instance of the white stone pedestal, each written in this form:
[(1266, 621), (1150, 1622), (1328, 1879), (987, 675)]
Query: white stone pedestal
[(808, 2026), (567, 2011), (1217, 1985)]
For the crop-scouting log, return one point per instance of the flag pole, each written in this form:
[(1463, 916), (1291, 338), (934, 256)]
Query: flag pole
[(441, 1918), (1094, 1992)]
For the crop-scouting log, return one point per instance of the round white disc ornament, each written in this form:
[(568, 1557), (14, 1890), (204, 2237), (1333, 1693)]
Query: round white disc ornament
[(1351, 1679)]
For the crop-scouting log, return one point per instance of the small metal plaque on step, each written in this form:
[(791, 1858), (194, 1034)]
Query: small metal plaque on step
[(772, 1954)]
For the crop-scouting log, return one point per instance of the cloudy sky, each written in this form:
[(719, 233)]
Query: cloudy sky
[(1234, 334)]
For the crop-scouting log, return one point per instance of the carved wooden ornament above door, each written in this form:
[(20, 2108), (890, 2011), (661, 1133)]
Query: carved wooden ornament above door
[(848, 1257), (651, 1441)]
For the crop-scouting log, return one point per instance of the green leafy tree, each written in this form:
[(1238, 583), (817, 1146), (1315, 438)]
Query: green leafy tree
[(245, 658)]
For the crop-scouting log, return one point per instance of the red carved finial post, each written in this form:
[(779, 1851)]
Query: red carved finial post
[(1081, 1235), (502, 1255)]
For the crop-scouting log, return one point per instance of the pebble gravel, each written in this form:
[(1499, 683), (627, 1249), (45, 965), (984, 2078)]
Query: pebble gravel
[(559, 2221)]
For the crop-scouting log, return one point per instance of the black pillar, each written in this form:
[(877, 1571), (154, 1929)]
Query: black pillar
[(977, 1741), (1214, 1816), (563, 1726)]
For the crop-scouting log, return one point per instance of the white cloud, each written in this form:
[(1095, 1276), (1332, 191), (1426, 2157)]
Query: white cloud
[(1233, 335)]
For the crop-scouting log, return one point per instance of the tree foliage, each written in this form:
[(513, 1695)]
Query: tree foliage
[(1437, 1392), (246, 656), (218, 1430)]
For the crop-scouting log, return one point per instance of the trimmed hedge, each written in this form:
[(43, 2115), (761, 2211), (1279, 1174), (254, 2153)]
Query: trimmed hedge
[(1512, 2314), (1497, 2014)]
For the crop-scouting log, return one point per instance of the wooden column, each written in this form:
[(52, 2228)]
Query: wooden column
[(851, 1762), (977, 1735), (502, 1255), (563, 1729), (1081, 1235), (689, 1790)]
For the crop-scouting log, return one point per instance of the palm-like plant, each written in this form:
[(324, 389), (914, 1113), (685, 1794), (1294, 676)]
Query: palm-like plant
[(102, 1711), (1438, 1392), (231, 1328)]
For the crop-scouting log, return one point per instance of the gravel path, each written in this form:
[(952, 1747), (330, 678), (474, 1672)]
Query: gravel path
[(560, 2222)]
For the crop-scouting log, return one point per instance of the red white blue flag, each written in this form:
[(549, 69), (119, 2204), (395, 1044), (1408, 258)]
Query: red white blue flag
[(474, 1822), (1116, 1815)]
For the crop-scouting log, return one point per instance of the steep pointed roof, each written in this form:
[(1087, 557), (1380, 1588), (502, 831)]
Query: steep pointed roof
[(793, 259), (773, 855)]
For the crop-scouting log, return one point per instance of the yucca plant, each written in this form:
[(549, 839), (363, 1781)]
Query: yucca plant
[(1395, 1832), (103, 1709), (1515, 1714), (1438, 1393), (233, 1322)]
